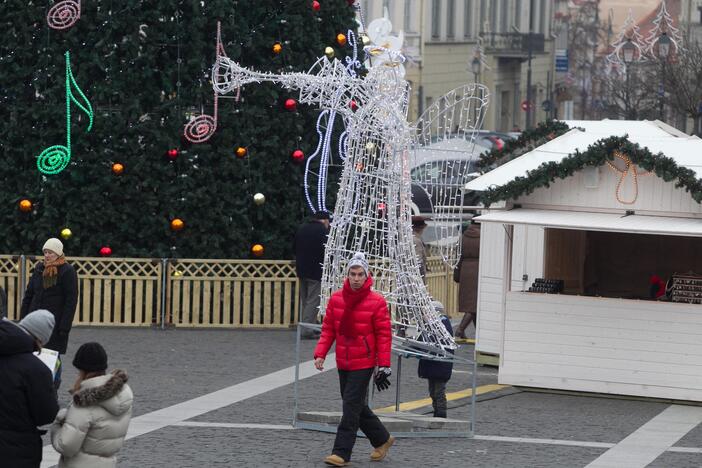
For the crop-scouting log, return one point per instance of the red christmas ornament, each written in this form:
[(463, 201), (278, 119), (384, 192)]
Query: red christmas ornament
[(381, 206), (351, 2), (298, 156), (353, 105), (290, 104), (105, 251), (315, 5), (172, 154)]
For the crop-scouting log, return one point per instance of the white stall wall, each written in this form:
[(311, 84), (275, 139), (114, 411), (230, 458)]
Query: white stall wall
[(527, 256), (629, 347), (655, 196), (490, 297)]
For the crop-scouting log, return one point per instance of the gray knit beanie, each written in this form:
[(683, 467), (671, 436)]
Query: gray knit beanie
[(359, 259), (39, 324), (438, 307)]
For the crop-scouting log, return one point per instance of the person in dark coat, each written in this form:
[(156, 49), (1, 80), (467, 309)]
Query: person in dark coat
[(27, 396), (54, 287), (438, 373), (468, 274), (310, 240)]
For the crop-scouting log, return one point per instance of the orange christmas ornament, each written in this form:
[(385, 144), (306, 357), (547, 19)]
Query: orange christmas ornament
[(241, 152), (257, 250), (341, 39), (177, 224), (25, 206), (277, 48), (117, 169)]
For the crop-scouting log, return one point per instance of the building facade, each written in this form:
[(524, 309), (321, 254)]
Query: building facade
[(442, 38)]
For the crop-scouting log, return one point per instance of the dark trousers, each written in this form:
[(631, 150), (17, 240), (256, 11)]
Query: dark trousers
[(437, 392), (309, 303), (357, 414)]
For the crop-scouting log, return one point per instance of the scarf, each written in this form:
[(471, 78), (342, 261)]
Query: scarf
[(50, 274), (351, 300)]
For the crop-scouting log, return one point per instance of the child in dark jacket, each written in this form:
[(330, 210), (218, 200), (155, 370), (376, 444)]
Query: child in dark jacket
[(438, 373)]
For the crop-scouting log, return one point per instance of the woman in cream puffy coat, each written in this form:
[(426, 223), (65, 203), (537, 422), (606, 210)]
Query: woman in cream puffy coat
[(90, 432)]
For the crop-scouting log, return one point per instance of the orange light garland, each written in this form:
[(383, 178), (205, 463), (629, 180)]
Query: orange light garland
[(629, 168)]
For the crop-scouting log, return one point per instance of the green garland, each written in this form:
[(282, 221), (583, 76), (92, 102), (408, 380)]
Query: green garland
[(596, 155), (527, 141)]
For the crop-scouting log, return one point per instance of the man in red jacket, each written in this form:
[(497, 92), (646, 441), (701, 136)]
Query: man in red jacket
[(358, 320)]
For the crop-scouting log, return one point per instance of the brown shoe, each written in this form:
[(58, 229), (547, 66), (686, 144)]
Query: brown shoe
[(335, 460), (380, 452)]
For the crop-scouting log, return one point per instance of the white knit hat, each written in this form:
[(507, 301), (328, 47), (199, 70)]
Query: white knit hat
[(359, 259), (54, 245), (39, 324)]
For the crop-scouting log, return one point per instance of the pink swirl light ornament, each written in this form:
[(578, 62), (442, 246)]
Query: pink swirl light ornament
[(202, 127), (64, 14)]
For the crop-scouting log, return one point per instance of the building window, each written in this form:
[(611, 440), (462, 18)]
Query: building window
[(483, 16), (504, 16), (542, 16), (409, 9), (493, 16), (518, 14), (435, 18), (468, 18), (388, 4), (450, 18)]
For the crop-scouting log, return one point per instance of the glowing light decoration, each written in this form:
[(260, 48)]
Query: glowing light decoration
[(663, 23), (54, 159), (629, 33), (202, 127), (64, 14), (629, 168), (382, 175)]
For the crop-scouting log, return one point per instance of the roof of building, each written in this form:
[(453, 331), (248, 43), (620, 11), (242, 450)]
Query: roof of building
[(657, 136)]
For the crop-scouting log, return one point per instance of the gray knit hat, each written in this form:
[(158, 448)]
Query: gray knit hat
[(438, 307), (359, 259), (39, 324)]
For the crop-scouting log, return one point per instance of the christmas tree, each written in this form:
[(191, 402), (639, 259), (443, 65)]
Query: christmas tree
[(134, 183)]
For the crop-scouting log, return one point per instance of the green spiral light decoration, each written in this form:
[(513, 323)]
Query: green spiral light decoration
[(55, 159)]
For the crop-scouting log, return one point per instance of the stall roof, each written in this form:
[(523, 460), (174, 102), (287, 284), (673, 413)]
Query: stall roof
[(656, 136), (639, 224)]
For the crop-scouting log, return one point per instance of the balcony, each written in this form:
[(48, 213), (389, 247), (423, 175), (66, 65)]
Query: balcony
[(512, 45)]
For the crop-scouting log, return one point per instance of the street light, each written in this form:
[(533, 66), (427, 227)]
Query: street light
[(628, 50), (663, 51), (475, 67)]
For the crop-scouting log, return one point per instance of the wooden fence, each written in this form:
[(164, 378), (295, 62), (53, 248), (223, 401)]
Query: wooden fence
[(137, 292)]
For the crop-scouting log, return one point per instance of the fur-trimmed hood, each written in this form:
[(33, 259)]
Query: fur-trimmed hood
[(108, 391)]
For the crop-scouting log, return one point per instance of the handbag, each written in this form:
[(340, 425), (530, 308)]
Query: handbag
[(457, 273)]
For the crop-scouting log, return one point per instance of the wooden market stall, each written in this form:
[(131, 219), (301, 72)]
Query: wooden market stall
[(606, 222)]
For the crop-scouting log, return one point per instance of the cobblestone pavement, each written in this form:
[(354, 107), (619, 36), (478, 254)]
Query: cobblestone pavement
[(169, 367)]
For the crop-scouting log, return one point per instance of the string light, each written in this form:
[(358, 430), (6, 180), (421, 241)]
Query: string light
[(629, 168), (64, 14), (376, 173), (54, 159), (202, 127)]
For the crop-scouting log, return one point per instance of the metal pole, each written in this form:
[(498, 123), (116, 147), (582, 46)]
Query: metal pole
[(164, 284), (529, 49), (661, 114), (399, 378), (297, 373), (627, 106), (472, 396), (22, 275)]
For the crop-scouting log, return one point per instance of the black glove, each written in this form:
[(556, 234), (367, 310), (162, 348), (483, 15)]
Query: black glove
[(382, 378)]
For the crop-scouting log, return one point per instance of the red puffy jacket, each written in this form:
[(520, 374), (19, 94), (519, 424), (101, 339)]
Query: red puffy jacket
[(373, 341)]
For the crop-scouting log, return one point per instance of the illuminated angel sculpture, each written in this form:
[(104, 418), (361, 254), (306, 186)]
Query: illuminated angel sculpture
[(372, 212)]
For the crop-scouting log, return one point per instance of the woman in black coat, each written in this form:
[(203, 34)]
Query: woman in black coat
[(53, 286), (27, 397)]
